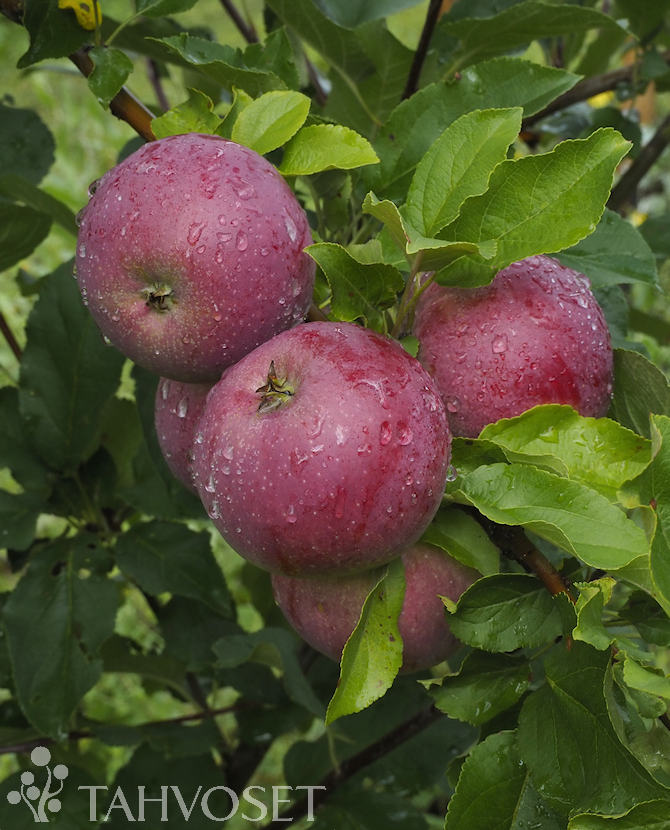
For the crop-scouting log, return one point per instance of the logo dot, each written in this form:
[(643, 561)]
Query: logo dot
[(61, 772), (14, 797), (33, 793), (54, 805), (40, 756), (27, 778)]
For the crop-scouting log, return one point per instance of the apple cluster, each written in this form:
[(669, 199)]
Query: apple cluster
[(320, 450)]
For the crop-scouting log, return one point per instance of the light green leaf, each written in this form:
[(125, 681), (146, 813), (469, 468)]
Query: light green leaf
[(646, 679), (195, 115), (112, 67), (271, 120), (485, 686), (372, 655), (543, 203), (485, 37), (240, 102), (458, 165), (494, 782), (640, 389), (326, 147), (564, 512), (593, 596), (616, 252), (567, 740), (461, 536), (597, 452), (652, 815), (508, 611), (387, 212), (359, 291)]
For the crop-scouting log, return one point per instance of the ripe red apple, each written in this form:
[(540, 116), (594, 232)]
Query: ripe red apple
[(190, 254), (177, 410), (324, 611), (325, 449), (535, 335)]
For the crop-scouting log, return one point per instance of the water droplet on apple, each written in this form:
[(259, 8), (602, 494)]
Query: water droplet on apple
[(499, 344), (182, 408), (365, 449), (93, 186), (452, 474), (290, 516), (116, 315), (242, 242), (210, 486), (385, 433), (214, 511), (165, 389), (194, 232), (217, 318), (264, 251), (82, 250), (199, 438), (453, 404), (404, 434), (340, 435), (200, 249)]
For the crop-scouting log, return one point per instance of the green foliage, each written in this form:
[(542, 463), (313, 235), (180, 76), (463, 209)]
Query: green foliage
[(133, 640)]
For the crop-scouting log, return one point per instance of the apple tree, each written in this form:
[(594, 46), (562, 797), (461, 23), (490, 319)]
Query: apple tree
[(477, 193)]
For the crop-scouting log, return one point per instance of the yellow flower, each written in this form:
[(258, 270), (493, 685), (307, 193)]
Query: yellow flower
[(88, 12)]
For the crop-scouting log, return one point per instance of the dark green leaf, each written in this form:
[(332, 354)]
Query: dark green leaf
[(18, 516), (568, 743), (615, 252), (372, 655), (485, 686), (352, 13), (495, 782), (462, 537), (158, 8), (56, 620), (359, 291), (365, 809), (67, 374), (16, 451), (21, 231), (507, 611), (54, 32), (21, 190), (112, 67), (190, 629), (652, 815), (164, 557), (27, 144), (640, 389)]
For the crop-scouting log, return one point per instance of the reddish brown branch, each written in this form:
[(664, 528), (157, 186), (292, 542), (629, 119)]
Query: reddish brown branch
[(246, 28), (432, 16), (624, 191), (9, 337)]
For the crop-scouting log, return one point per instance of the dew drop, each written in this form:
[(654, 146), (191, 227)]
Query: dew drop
[(499, 344), (452, 474), (210, 486), (385, 433), (404, 434), (194, 232), (453, 404), (182, 408), (199, 438), (291, 518), (291, 228), (165, 389), (242, 242)]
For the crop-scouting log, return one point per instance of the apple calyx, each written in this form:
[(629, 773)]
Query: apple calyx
[(158, 296), (275, 392)]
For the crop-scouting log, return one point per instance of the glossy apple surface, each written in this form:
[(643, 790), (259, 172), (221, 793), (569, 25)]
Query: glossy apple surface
[(325, 611), (190, 254), (177, 409), (337, 463), (535, 335)]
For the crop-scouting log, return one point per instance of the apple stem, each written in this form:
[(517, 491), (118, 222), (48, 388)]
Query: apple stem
[(158, 296), (409, 297), (275, 392)]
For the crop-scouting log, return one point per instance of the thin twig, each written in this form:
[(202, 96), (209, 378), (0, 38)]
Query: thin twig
[(432, 16), (156, 83), (246, 28), (9, 337), (315, 314), (358, 762), (624, 191)]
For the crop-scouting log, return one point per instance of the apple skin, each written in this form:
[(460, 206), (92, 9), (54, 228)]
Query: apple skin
[(177, 409), (535, 335), (324, 611), (342, 475), (190, 254)]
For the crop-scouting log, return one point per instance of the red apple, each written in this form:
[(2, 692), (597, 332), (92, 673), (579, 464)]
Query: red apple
[(324, 450), (177, 410), (324, 611), (535, 335), (190, 254)]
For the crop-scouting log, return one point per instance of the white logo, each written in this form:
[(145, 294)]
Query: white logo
[(44, 800)]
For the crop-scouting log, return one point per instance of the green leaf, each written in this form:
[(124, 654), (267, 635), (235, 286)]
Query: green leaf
[(271, 120), (16, 450), (159, 8), (195, 115), (659, 562), (112, 67), (616, 252), (240, 102), (18, 517), (640, 389), (417, 122), (462, 537), (372, 655), (458, 165), (485, 37), (353, 13), (652, 815), (21, 231), (495, 782), (275, 647), (326, 147), (597, 452), (646, 679), (507, 611), (68, 374), (56, 620), (27, 144), (485, 686), (359, 291), (593, 596), (163, 557), (568, 743), (54, 32), (221, 63), (19, 189), (367, 809), (543, 203), (564, 512)]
